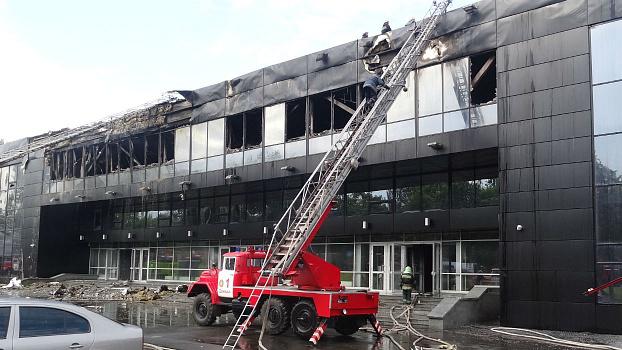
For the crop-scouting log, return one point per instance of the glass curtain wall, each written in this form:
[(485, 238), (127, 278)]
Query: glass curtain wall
[(607, 91)]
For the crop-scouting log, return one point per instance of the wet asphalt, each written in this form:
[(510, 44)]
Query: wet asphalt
[(170, 325)]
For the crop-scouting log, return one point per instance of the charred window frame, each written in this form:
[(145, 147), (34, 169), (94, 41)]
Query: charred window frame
[(125, 155), (234, 133), (99, 151), (113, 157), (253, 128), (483, 78), (331, 111), (138, 151), (152, 145), (167, 147), (89, 160), (295, 119)]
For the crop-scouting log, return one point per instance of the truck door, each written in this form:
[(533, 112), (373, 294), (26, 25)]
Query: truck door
[(225, 278)]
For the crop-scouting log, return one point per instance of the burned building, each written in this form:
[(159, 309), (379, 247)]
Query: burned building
[(496, 167)]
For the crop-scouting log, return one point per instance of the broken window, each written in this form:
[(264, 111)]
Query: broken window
[(235, 132), (89, 161), (344, 105), (167, 146), (77, 162), (138, 151), (113, 157), (483, 78), (320, 113), (295, 119), (456, 85), (215, 138), (100, 159), (253, 129), (125, 155), (275, 124), (151, 149)]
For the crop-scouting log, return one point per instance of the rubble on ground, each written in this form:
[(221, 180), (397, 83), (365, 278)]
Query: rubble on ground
[(95, 291)]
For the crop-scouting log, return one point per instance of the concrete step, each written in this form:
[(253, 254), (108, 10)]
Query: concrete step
[(418, 316)]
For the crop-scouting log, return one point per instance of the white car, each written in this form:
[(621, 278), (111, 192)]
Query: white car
[(28, 324)]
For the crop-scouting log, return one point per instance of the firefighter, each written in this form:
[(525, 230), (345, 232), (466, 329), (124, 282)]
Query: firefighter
[(407, 284), (371, 87)]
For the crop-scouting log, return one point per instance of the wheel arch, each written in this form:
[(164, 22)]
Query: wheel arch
[(199, 288)]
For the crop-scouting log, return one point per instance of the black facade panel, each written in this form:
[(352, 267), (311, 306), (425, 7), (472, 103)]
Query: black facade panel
[(473, 139), (399, 150), (415, 222), (206, 94), (511, 7), (33, 177), (603, 10), (567, 71), (521, 285), (515, 108), (572, 284), (566, 198), (520, 255), (526, 220), (517, 133), (563, 151), (474, 218), (334, 225), (423, 150), (574, 224), (332, 57), (208, 111), (517, 180), (569, 321), (381, 153), (567, 99), (468, 41), (575, 255), (564, 176), (285, 70), (332, 78), (246, 82), (456, 20), (516, 157), (523, 314), (608, 318), (517, 201), (285, 90), (244, 102), (547, 20)]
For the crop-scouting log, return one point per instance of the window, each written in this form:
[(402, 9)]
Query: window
[(138, 150), (182, 144), (463, 189), (320, 113), (151, 149), (295, 112), (434, 191), (606, 108), (5, 316), (235, 132), (254, 207), (602, 37), (275, 124), (44, 321), (408, 194), (237, 208), (216, 140), (167, 147), (253, 130), (430, 88), (456, 85), (229, 264), (404, 105), (483, 78), (609, 214), (199, 141), (344, 106)]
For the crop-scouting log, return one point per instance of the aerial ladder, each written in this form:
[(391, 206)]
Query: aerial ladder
[(295, 231), (68, 134)]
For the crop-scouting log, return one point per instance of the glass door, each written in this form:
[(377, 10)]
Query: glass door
[(140, 264), (380, 267)]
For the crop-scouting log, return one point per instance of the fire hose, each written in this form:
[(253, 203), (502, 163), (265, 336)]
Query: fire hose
[(539, 336)]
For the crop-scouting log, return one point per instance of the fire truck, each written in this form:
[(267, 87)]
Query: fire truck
[(288, 284)]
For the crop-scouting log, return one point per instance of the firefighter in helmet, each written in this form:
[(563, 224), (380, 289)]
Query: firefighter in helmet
[(407, 284)]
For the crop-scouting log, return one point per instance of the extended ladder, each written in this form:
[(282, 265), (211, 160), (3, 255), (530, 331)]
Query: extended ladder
[(64, 135), (296, 229)]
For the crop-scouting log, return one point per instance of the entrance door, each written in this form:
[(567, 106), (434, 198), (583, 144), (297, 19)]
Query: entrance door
[(423, 259), (125, 264), (140, 264), (380, 269)]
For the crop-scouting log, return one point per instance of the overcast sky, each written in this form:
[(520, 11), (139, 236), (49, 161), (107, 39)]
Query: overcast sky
[(65, 63)]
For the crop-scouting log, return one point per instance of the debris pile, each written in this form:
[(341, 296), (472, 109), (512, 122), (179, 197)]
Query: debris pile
[(94, 291)]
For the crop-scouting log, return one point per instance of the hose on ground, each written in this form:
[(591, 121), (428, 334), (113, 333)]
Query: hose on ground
[(148, 346), (539, 336), (401, 326)]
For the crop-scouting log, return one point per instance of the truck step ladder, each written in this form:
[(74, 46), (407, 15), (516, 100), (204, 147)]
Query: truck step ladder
[(68, 134), (301, 221)]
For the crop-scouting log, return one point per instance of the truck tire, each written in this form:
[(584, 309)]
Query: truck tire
[(203, 311), (278, 318), (304, 319), (347, 325)]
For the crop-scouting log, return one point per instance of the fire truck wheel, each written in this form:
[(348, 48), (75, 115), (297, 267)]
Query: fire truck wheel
[(304, 319), (204, 312), (347, 325), (278, 316)]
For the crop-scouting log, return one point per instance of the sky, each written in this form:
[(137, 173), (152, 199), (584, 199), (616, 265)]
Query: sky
[(66, 63)]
